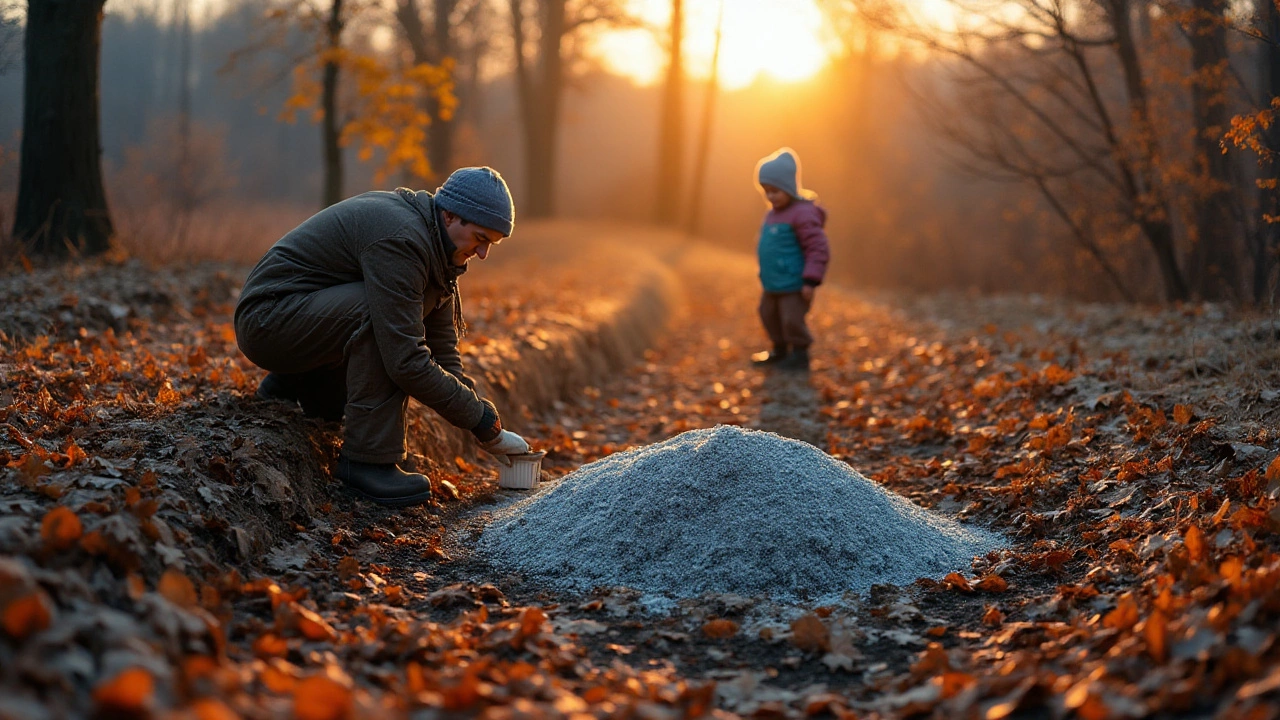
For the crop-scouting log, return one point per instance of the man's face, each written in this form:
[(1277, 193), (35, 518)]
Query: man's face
[(469, 239), (777, 197)]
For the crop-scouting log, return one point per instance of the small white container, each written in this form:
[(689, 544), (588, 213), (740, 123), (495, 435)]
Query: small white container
[(524, 473)]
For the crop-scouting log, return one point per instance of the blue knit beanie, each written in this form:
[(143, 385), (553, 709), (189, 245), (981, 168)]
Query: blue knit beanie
[(478, 195), (782, 170)]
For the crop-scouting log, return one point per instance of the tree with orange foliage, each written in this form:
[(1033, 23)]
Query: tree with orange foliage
[(457, 30), (385, 111)]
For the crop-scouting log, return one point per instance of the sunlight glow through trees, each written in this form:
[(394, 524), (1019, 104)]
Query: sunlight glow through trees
[(783, 39)]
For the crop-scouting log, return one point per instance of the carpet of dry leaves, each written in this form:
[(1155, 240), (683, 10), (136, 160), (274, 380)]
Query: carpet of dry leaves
[(170, 547)]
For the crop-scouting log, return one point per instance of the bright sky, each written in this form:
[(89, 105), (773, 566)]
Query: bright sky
[(783, 39), (786, 40)]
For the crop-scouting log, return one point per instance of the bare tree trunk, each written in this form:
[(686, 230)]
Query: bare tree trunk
[(540, 85), (61, 201), (186, 179), (331, 127), (442, 45), (1153, 212), (440, 138), (539, 88), (671, 132), (479, 43), (865, 75), (1213, 267), (542, 118), (525, 91), (704, 134), (1264, 263)]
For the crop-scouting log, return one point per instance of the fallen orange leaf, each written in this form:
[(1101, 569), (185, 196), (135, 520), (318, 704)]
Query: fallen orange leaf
[(993, 617), (1182, 414), (992, 583), (211, 709), (531, 620), (60, 528), (348, 567), (27, 614), (177, 588), (1273, 470), (933, 659), (1156, 633), (312, 626), (270, 645), (1125, 614), (809, 634), (321, 698), (94, 543), (1194, 540), (128, 692), (957, 581), (279, 677), (720, 629)]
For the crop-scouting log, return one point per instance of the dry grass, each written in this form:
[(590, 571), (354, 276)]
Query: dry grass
[(230, 231)]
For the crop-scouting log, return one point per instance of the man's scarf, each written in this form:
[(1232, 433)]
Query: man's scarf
[(442, 271)]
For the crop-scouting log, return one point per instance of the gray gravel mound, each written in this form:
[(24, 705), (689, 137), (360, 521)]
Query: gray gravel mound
[(727, 510)]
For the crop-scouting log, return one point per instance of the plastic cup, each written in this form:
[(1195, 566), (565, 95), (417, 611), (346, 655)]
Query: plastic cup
[(524, 473)]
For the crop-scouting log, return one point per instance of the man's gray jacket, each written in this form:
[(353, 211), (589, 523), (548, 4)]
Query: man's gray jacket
[(393, 243)]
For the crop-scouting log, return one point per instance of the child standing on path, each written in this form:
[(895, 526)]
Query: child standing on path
[(793, 252)]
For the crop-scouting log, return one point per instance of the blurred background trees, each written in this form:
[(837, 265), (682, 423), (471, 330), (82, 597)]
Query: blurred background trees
[(1103, 149), (61, 205), (546, 35)]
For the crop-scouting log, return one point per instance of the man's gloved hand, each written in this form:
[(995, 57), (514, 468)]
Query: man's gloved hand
[(507, 443), (490, 425)]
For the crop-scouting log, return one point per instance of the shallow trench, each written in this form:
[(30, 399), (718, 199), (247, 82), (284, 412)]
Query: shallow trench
[(552, 362)]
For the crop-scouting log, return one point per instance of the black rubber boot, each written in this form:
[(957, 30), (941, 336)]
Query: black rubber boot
[(383, 483), (773, 357), (274, 387), (321, 393), (798, 361)]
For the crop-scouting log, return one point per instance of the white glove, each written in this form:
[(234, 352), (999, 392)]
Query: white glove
[(507, 443)]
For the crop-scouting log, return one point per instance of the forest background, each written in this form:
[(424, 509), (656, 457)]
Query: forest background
[(1100, 150)]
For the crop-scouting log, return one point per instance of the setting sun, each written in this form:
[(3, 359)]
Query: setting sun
[(781, 39)]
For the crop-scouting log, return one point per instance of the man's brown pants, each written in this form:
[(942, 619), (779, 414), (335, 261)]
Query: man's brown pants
[(783, 318), (322, 347)]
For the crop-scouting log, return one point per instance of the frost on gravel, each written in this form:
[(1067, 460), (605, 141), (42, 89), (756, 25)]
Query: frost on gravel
[(727, 510)]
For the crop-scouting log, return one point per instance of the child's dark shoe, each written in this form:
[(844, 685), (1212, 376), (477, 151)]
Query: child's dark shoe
[(770, 357), (797, 360)]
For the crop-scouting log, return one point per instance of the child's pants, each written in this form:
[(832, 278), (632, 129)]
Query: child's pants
[(783, 317)]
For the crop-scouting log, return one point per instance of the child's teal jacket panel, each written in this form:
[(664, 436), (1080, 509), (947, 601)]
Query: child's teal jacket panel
[(793, 249), (781, 260)]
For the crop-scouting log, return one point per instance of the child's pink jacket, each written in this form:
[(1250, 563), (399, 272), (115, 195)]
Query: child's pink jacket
[(807, 220)]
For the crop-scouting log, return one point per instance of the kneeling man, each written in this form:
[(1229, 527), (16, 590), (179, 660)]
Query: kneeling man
[(357, 309)]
